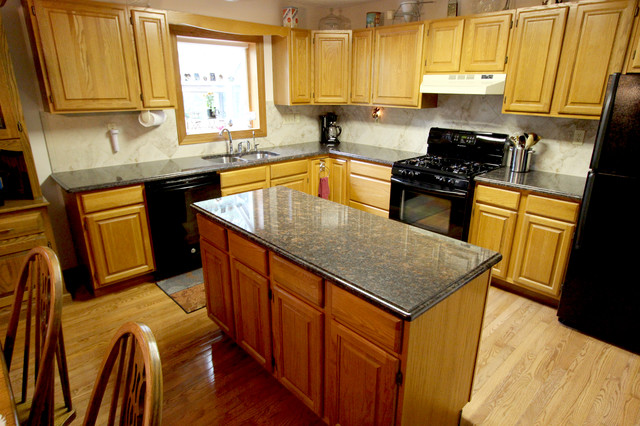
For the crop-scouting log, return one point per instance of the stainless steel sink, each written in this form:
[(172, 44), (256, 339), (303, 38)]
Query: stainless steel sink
[(223, 158), (257, 155)]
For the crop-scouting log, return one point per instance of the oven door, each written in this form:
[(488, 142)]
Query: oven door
[(432, 207)]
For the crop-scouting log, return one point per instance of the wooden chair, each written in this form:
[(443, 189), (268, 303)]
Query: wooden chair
[(41, 279), (137, 383)]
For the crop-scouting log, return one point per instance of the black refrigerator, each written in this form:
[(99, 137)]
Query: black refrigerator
[(601, 293)]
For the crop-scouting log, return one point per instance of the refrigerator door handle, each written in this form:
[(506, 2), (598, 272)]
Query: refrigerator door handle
[(605, 118), (582, 219)]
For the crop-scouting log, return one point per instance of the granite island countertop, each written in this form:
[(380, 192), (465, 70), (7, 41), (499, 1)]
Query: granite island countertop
[(401, 268), (129, 174), (542, 182)]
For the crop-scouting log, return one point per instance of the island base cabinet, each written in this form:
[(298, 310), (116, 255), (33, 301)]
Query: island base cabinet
[(298, 336), (361, 380), (217, 276), (251, 308)]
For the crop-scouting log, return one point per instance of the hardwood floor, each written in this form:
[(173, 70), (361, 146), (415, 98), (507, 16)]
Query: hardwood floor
[(531, 369)]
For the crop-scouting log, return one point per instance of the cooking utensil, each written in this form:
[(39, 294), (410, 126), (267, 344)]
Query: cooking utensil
[(532, 139)]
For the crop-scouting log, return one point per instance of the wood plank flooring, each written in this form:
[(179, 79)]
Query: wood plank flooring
[(531, 369)]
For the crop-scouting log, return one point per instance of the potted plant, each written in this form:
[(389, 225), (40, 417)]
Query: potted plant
[(211, 109)]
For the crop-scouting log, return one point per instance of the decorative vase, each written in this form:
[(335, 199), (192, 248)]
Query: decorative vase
[(211, 112)]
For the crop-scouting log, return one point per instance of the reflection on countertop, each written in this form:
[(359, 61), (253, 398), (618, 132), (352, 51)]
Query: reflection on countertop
[(542, 182)]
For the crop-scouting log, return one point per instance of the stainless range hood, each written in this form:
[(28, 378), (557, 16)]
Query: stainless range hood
[(463, 84)]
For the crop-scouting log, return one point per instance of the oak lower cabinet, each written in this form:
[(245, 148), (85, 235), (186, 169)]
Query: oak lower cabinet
[(336, 170), (349, 361), (534, 234), (249, 179), (292, 174), (111, 229), (369, 187)]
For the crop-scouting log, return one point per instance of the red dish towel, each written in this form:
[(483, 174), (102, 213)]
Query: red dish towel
[(323, 188)]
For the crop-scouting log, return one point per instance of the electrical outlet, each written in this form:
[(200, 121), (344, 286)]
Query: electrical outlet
[(288, 118), (578, 137)]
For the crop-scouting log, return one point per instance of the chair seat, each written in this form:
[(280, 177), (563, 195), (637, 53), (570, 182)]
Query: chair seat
[(62, 416)]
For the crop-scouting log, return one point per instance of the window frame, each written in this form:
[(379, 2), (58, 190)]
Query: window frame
[(256, 83)]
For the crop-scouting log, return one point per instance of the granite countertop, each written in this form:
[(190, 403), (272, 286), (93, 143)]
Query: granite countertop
[(129, 174), (542, 182), (400, 268)]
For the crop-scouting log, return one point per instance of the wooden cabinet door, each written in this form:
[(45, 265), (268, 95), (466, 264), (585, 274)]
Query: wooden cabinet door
[(338, 180), (300, 81), (541, 253), (298, 336), (533, 59), (493, 228), (155, 63), (594, 47), (89, 55), (251, 312), (444, 45), (331, 59), (217, 278), (361, 63), (119, 243), (398, 65), (486, 38), (633, 56), (8, 106), (297, 182), (361, 380)]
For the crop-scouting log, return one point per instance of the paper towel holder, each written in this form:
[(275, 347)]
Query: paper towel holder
[(150, 118)]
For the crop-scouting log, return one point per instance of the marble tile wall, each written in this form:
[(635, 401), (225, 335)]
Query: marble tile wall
[(77, 142)]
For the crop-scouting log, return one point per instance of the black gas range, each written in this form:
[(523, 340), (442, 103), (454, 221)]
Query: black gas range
[(435, 191)]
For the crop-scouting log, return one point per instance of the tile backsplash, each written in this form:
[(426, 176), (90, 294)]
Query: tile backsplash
[(77, 142)]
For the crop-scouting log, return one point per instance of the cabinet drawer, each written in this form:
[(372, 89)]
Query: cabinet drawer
[(212, 232), (16, 224), (297, 280), (244, 176), (369, 191), (552, 208), (373, 323), (111, 198), (498, 197), (289, 168), (248, 253), (375, 171)]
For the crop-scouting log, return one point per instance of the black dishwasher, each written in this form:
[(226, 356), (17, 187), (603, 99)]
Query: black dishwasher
[(174, 229)]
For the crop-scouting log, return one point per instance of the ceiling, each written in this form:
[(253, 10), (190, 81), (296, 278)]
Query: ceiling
[(330, 3)]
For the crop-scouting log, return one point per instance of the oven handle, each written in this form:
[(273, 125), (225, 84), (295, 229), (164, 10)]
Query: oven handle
[(425, 188)]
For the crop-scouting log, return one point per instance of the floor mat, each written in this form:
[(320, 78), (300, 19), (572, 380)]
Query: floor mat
[(187, 290)]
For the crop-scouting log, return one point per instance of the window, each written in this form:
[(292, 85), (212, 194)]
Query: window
[(220, 84)]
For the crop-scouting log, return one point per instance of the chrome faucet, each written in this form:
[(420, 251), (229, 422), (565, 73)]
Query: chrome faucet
[(243, 147), (230, 145)]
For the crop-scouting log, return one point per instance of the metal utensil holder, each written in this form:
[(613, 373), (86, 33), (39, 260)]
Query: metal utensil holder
[(520, 159)]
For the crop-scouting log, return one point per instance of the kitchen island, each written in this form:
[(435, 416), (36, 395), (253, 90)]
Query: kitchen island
[(366, 320)]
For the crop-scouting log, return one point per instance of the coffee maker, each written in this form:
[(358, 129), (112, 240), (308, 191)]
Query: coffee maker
[(329, 130)]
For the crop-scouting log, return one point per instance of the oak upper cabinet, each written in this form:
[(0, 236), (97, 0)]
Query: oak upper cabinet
[(533, 59), (331, 65), (8, 120), (444, 45), (116, 234), (533, 232), (398, 52), (361, 65), (485, 42), (217, 274), (86, 56), (633, 55), (594, 47), (292, 79), (154, 58), (250, 285)]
